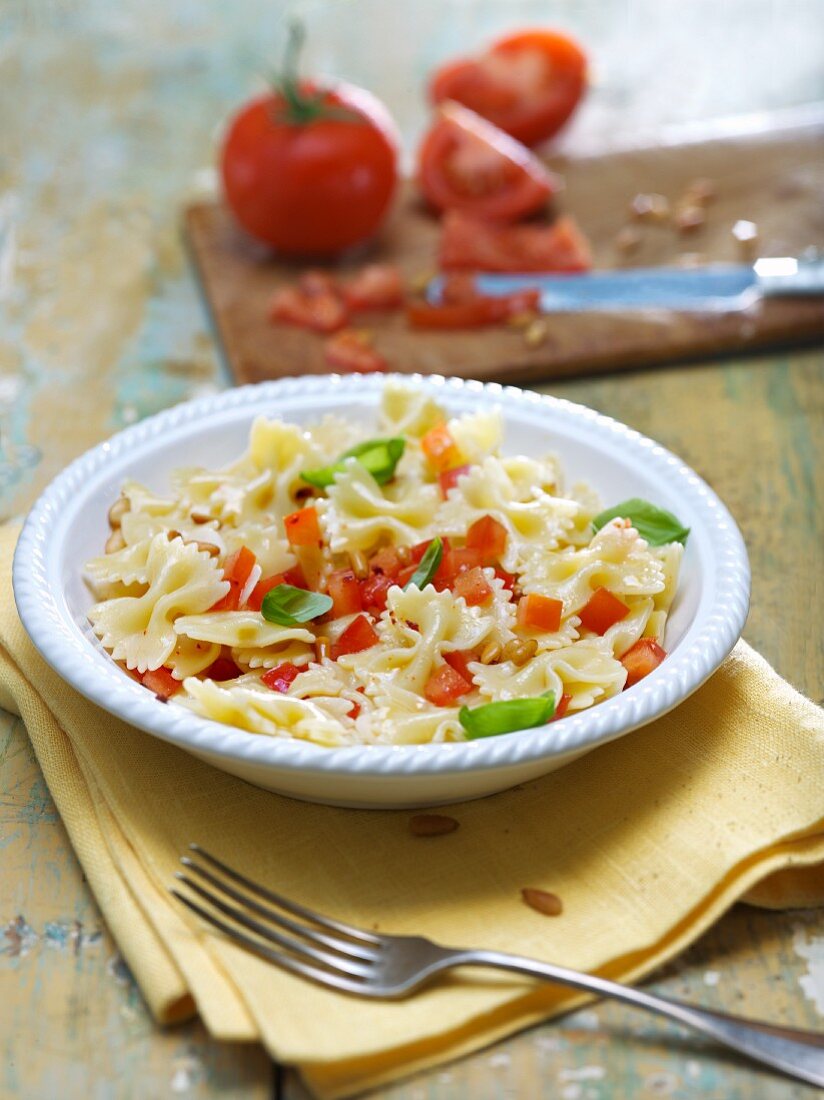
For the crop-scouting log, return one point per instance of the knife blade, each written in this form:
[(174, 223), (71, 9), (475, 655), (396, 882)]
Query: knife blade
[(713, 287)]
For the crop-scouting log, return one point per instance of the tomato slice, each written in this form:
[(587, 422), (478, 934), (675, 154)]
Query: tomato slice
[(360, 634), (161, 682), (345, 590), (469, 244), (440, 448), (466, 163), (376, 286), (602, 611), (539, 613), (489, 536), (224, 668), (528, 83), (236, 570), (459, 661), (641, 658), (373, 592), (448, 479), (321, 310), (280, 677), (302, 528), (473, 586), (445, 685), (351, 350)]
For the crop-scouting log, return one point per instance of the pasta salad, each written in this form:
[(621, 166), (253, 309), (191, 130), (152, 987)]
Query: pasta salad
[(404, 586)]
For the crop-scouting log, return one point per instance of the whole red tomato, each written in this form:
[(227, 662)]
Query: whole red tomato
[(310, 170)]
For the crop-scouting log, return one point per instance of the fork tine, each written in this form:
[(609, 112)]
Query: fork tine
[(285, 903), (285, 962), (334, 962), (344, 947)]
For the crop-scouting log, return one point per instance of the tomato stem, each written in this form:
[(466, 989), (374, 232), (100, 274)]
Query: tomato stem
[(298, 106)]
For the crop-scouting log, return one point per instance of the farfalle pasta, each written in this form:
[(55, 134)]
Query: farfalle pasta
[(404, 585)]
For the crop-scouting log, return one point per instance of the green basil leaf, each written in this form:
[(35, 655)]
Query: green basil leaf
[(287, 605), (508, 716), (378, 456), (428, 565), (654, 524)]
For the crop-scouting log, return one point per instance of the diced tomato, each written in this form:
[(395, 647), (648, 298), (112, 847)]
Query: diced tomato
[(417, 551), (641, 658), (161, 682), (360, 634), (373, 592), (539, 613), (602, 611), (509, 579), (387, 561), (376, 286), (445, 685), (459, 661), (315, 282), (468, 244), (345, 590), (489, 536), (224, 668), (351, 350), (320, 310), (527, 83), (467, 163), (354, 711), (478, 313), (561, 707), (440, 448), (455, 562), (302, 528), (236, 570), (448, 479), (281, 676), (405, 576), (473, 586), (293, 576)]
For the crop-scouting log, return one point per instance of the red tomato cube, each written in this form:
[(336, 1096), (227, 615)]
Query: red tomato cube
[(473, 586), (602, 611), (302, 528), (561, 707), (445, 685), (539, 613), (440, 448), (376, 286), (387, 561), (224, 668), (453, 563), (417, 551), (459, 661), (161, 682), (351, 350), (236, 570), (345, 590), (448, 479), (281, 676), (641, 658), (489, 536), (360, 634), (373, 592)]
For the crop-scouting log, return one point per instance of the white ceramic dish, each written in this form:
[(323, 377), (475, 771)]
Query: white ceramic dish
[(68, 525)]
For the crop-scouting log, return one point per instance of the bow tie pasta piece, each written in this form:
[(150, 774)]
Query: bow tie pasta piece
[(403, 718), (140, 630), (407, 411), (477, 435), (126, 567), (586, 671)]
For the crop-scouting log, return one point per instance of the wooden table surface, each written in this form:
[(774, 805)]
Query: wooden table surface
[(107, 117)]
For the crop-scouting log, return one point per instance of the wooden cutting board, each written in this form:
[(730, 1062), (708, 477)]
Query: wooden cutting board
[(775, 179)]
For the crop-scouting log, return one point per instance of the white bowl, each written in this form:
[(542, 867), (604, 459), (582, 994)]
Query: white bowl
[(68, 525)]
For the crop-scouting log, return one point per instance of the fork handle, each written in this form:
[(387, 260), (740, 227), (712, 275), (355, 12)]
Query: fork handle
[(797, 1053)]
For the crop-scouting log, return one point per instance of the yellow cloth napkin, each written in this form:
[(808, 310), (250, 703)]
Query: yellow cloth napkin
[(647, 841)]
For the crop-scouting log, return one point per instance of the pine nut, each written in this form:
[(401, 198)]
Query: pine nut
[(432, 825), (536, 334), (542, 901), (519, 651), (490, 653), (118, 510), (205, 547), (200, 517), (649, 208), (689, 217), (404, 555), (360, 566), (321, 647)]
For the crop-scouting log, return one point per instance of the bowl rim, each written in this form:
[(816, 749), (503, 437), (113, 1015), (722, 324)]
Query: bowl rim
[(73, 656)]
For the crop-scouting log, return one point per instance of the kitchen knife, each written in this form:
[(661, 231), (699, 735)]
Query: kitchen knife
[(713, 287)]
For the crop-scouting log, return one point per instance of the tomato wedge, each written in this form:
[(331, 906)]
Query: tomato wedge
[(236, 570), (602, 611), (302, 528), (352, 351), (466, 163), (445, 685), (376, 286), (360, 634), (528, 83), (641, 658), (469, 244), (161, 682)]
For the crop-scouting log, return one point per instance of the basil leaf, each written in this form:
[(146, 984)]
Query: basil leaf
[(286, 605), (378, 456), (428, 565), (654, 524), (508, 716)]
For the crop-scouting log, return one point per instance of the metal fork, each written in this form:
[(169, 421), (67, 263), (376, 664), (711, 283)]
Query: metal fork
[(367, 964)]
